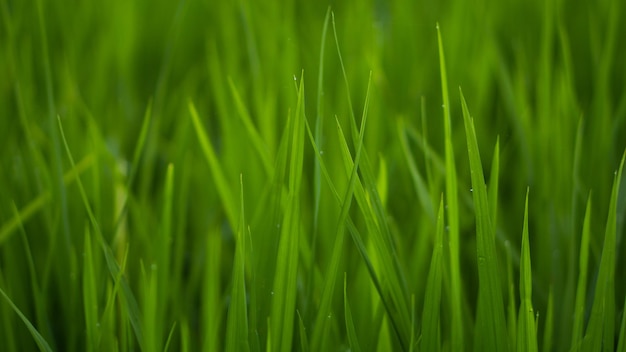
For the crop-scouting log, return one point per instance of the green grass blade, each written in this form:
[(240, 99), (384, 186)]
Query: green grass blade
[(621, 345), (432, 297), (255, 137), (418, 181), (304, 341), (41, 342), (511, 305), (217, 172), (34, 206), (490, 325), (129, 300), (457, 343), (353, 338), (581, 289), (600, 333), (494, 184), (284, 298), (322, 323), (168, 342), (211, 293), (237, 324), (548, 331), (527, 333), (90, 296), (137, 153)]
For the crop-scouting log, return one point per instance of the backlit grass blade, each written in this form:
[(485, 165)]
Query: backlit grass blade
[(90, 296), (217, 172), (43, 199), (284, 298), (322, 324), (168, 342), (129, 300), (491, 331), (38, 295), (511, 304), (383, 257), (139, 148), (41, 342), (319, 124), (304, 341), (237, 324), (418, 181), (354, 232), (379, 252), (353, 338), (601, 327), (211, 292), (432, 299), (581, 289), (457, 342), (548, 330), (527, 334), (494, 184), (255, 137), (621, 345)]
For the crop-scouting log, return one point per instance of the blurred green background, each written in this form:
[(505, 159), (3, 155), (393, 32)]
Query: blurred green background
[(531, 72)]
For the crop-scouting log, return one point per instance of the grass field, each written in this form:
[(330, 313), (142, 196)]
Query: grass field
[(203, 175)]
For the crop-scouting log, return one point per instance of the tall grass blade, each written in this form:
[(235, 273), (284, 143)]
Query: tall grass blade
[(322, 323), (621, 345), (494, 184), (41, 342), (418, 181), (255, 137), (129, 300), (304, 340), (90, 295), (237, 324), (457, 342), (284, 299), (431, 329), (353, 338), (490, 323), (527, 334), (581, 288), (217, 172), (600, 333)]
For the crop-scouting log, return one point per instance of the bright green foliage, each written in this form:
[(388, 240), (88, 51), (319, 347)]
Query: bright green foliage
[(491, 334), (206, 175), (527, 333)]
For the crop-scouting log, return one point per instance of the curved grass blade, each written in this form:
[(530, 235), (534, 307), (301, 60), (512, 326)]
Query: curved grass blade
[(41, 342), (621, 345), (581, 289), (255, 137), (129, 300), (527, 333), (494, 184), (322, 323), (38, 203), (418, 181), (217, 172), (304, 341), (90, 297), (353, 338), (457, 343), (490, 323), (284, 299), (432, 298), (237, 324), (601, 328)]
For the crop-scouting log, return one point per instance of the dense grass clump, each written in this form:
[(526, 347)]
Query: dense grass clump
[(283, 175)]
